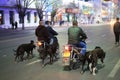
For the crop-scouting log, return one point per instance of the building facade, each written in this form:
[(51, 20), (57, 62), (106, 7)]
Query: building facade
[(9, 14)]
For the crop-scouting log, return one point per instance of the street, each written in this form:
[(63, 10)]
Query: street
[(98, 35)]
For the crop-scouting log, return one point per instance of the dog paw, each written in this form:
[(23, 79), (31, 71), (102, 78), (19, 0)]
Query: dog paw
[(43, 65), (94, 74), (103, 65), (15, 62), (81, 72)]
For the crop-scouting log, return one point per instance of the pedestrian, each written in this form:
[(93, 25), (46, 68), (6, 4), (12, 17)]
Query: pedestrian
[(61, 22), (116, 30), (12, 25), (16, 25)]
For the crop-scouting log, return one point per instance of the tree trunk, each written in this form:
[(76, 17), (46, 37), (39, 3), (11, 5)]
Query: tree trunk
[(23, 26)]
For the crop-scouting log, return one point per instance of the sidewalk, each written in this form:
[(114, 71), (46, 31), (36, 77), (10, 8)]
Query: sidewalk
[(4, 30), (57, 27)]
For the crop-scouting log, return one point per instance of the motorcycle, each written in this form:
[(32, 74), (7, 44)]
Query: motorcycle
[(70, 57), (45, 49), (42, 49)]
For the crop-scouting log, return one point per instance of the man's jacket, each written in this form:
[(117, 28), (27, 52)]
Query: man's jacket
[(52, 32), (116, 27), (42, 33), (75, 35)]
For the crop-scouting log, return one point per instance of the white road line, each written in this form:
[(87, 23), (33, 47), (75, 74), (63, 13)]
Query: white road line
[(4, 55), (33, 62), (104, 35), (115, 69), (88, 41)]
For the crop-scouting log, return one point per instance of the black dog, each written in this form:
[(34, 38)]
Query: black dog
[(50, 50), (28, 48), (92, 58), (100, 54)]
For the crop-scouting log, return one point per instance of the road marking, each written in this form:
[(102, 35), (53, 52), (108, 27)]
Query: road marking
[(33, 62), (103, 35), (115, 69), (88, 41), (4, 55)]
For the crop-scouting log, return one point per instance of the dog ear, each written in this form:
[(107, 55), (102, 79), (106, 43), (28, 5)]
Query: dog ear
[(14, 50), (34, 46), (31, 41), (97, 47)]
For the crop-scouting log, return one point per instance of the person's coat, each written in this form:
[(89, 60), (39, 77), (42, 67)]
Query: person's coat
[(116, 27), (42, 33)]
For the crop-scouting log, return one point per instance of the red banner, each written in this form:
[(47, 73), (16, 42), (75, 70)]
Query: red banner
[(115, 1), (72, 10)]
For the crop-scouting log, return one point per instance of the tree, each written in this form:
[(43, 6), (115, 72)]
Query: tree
[(53, 13), (22, 6), (70, 10), (117, 9), (42, 5)]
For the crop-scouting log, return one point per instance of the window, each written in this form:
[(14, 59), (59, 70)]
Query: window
[(1, 17), (35, 17), (11, 13), (28, 17)]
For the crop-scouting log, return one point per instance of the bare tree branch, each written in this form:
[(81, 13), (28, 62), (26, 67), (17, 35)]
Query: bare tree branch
[(22, 7), (41, 6)]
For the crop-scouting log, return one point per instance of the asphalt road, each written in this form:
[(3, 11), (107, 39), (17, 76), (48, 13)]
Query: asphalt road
[(98, 35)]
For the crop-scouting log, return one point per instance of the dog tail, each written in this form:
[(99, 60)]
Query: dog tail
[(14, 50), (97, 47)]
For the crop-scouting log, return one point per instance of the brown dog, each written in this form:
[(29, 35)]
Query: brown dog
[(28, 48)]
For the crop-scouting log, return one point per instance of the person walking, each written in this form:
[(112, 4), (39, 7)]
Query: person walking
[(116, 30), (16, 25), (12, 25)]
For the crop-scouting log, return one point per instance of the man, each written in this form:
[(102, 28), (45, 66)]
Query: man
[(12, 25), (52, 32), (77, 36), (16, 25), (116, 29), (41, 32)]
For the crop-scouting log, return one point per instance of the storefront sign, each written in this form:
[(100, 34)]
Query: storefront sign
[(72, 10)]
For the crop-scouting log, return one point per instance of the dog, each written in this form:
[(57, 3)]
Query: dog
[(100, 53), (28, 48), (50, 50), (92, 58)]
